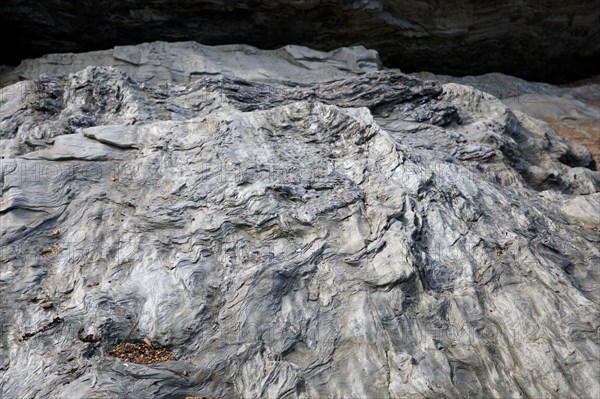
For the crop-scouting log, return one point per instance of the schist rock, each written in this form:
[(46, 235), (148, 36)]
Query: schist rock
[(288, 224)]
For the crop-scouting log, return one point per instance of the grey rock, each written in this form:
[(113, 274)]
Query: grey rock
[(571, 110), (363, 234), (583, 209), (161, 62)]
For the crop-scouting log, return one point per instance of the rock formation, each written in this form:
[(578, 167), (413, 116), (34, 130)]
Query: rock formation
[(548, 40), (573, 110), (288, 224)]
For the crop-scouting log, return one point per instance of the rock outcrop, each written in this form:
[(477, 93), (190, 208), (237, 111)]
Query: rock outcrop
[(548, 41), (572, 110), (288, 224)]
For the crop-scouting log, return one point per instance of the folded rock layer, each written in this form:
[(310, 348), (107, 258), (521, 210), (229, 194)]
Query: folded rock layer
[(288, 224)]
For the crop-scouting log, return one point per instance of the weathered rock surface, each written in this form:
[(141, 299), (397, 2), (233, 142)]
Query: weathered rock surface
[(365, 234), (548, 40), (162, 62), (572, 110)]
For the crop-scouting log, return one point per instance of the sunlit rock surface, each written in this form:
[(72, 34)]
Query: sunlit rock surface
[(290, 224)]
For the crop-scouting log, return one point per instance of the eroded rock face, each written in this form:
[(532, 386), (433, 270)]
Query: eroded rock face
[(546, 41), (572, 110), (366, 234)]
